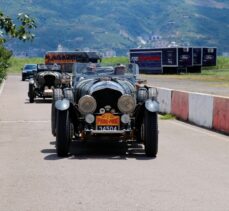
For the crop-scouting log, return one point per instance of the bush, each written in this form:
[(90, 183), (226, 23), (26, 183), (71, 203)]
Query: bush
[(4, 61)]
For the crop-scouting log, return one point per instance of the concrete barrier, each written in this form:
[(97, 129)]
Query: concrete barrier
[(164, 99), (221, 114), (180, 105), (201, 109)]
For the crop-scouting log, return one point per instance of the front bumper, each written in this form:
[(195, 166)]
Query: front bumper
[(108, 132), (48, 93), (27, 75)]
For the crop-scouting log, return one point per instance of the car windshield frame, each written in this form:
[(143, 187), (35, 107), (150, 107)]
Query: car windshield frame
[(100, 70), (48, 67)]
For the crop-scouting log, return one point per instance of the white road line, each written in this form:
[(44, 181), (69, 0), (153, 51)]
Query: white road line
[(201, 130), (24, 121)]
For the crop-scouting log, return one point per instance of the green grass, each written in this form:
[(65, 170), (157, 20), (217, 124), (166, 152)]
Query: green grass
[(115, 60), (223, 63), (17, 63), (167, 117)]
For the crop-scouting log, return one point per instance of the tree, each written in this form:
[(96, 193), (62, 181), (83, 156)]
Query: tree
[(4, 61), (21, 30)]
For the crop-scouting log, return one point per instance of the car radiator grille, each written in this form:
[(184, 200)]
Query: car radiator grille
[(106, 97), (49, 80)]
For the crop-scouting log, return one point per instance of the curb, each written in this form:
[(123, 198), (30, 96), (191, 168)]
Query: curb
[(2, 86), (204, 110)]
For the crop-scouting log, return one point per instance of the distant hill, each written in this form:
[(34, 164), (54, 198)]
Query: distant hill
[(119, 25)]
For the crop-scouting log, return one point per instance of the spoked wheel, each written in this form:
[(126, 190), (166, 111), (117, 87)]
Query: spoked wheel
[(149, 133), (31, 93), (63, 133), (57, 95)]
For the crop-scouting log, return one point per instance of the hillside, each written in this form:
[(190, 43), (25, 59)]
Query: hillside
[(119, 25)]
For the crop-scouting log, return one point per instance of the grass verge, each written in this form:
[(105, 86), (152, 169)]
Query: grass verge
[(167, 117), (17, 63)]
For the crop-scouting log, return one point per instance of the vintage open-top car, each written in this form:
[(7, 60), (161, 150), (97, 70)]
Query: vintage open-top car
[(45, 80), (106, 102)]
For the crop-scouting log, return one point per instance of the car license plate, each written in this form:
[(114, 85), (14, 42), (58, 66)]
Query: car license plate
[(107, 121), (111, 128)]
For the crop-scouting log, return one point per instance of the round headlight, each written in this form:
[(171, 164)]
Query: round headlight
[(87, 104), (125, 118), (126, 104), (90, 118)]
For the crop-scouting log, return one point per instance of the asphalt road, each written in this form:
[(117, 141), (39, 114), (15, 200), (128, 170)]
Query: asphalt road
[(208, 87), (191, 171)]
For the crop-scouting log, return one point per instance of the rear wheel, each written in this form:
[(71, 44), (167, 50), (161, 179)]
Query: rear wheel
[(63, 133), (57, 95), (31, 93), (149, 133)]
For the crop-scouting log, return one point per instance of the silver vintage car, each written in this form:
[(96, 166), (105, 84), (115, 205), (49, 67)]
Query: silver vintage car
[(45, 80), (106, 101)]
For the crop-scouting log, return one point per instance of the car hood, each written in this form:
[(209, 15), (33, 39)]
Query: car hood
[(89, 86), (45, 73)]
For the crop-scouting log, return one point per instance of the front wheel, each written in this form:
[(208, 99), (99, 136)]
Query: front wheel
[(150, 133), (57, 95), (63, 133)]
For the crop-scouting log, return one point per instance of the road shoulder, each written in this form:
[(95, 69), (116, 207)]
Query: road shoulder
[(2, 86)]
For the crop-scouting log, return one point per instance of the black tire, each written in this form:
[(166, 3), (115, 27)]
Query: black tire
[(63, 132), (140, 133), (23, 78), (57, 95), (150, 133), (31, 93)]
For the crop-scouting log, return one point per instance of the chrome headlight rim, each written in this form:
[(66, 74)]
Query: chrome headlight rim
[(87, 104), (122, 104)]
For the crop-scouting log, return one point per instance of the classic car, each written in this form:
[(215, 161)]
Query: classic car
[(28, 71), (45, 80), (106, 102), (67, 59)]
